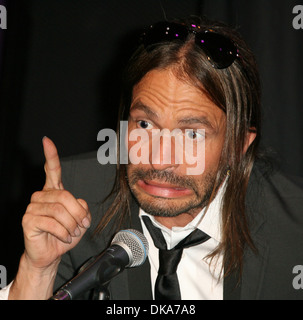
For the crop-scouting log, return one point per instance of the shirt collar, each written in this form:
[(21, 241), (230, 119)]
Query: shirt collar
[(207, 220)]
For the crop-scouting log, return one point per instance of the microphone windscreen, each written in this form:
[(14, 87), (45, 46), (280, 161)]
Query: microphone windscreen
[(135, 244)]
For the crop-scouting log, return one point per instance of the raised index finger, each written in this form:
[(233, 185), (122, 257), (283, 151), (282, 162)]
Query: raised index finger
[(52, 165)]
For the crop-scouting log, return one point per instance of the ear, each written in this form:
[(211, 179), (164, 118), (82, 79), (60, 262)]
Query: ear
[(250, 137)]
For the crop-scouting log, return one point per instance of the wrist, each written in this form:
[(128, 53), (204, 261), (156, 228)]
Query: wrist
[(33, 283)]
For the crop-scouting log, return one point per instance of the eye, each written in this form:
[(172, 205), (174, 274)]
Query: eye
[(144, 124), (195, 134)]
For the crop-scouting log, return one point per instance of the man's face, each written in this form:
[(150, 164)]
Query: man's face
[(164, 188)]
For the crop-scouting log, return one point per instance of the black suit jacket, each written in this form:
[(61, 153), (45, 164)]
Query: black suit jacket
[(275, 208)]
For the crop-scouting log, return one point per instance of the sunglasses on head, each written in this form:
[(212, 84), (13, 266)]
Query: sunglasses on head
[(220, 51)]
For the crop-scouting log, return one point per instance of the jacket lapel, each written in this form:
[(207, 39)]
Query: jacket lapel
[(231, 287), (255, 263), (250, 286), (254, 270)]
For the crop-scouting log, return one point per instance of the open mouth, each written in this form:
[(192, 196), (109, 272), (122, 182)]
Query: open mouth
[(163, 189)]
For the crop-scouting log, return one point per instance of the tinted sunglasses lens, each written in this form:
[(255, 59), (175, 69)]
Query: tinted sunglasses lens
[(220, 50), (162, 32)]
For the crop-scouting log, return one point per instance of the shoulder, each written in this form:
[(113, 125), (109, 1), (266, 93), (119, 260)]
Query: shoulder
[(277, 198), (275, 184), (86, 178), (274, 207)]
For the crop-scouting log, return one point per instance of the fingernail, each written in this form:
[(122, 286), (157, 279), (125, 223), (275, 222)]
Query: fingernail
[(77, 232), (69, 239), (86, 223)]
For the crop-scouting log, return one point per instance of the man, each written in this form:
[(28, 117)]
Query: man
[(200, 78)]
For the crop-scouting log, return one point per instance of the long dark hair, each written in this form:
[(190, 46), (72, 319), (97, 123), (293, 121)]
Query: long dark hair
[(236, 90)]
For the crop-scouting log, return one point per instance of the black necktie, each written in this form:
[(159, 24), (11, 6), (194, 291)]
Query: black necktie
[(167, 284)]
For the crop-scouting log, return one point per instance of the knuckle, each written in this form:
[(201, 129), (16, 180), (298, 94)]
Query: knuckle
[(82, 213), (83, 204), (26, 220), (30, 208), (64, 196), (36, 196), (56, 208)]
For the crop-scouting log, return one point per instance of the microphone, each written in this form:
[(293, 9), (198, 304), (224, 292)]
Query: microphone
[(129, 248)]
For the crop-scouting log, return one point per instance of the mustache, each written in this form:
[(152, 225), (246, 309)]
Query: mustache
[(165, 176)]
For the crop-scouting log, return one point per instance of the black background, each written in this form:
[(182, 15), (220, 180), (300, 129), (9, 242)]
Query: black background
[(61, 61)]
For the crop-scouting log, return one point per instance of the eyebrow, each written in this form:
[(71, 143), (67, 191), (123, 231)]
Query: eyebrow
[(144, 108), (184, 121), (196, 120)]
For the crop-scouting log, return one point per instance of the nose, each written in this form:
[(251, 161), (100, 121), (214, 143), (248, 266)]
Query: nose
[(164, 151)]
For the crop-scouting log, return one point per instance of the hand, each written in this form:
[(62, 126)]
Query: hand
[(55, 220)]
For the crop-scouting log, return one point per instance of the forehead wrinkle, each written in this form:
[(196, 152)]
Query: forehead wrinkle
[(158, 99), (162, 91), (170, 93)]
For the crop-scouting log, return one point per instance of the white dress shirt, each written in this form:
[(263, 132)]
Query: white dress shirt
[(5, 292), (198, 280)]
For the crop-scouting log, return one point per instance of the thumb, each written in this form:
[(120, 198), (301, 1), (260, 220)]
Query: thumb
[(52, 165)]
